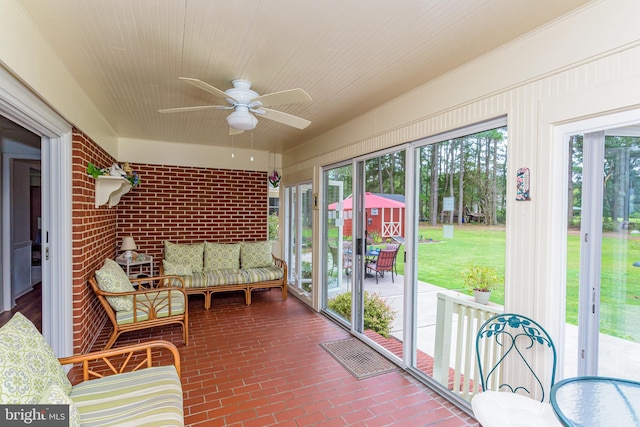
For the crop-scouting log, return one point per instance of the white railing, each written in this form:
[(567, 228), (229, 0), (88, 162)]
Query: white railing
[(457, 323)]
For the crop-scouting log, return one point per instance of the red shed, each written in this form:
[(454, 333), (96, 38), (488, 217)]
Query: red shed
[(384, 214)]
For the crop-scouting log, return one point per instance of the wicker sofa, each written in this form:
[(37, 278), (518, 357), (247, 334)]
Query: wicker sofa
[(206, 268), (124, 386)]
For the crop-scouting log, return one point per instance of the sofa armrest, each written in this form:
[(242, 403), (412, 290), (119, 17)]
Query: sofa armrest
[(282, 264), (122, 359)]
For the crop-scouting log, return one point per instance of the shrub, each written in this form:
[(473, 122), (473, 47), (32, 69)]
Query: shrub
[(307, 273), (274, 226), (378, 316)]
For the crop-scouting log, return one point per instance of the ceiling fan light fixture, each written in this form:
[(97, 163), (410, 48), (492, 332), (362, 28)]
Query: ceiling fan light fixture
[(242, 120)]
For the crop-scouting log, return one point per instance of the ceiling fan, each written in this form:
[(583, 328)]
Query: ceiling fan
[(247, 104)]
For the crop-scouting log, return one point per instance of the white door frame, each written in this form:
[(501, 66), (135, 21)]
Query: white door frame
[(20, 105), (562, 133), (590, 253), (7, 237)]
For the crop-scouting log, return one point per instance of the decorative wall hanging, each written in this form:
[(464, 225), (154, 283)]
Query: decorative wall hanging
[(522, 181), (274, 178)]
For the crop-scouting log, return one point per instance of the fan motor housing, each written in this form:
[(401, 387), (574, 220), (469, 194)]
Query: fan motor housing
[(241, 93)]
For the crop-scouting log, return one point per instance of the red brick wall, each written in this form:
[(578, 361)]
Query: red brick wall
[(94, 239), (188, 204), (180, 204)]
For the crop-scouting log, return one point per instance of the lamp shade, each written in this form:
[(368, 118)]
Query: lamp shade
[(128, 244)]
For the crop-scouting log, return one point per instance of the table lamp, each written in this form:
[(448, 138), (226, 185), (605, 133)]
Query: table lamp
[(128, 245)]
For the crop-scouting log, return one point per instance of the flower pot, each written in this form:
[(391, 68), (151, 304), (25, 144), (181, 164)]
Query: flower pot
[(482, 297)]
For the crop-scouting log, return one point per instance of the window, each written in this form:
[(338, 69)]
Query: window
[(274, 206)]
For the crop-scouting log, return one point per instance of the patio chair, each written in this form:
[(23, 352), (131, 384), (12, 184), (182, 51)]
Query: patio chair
[(394, 247), (347, 257), (518, 341), (383, 262), (333, 253)]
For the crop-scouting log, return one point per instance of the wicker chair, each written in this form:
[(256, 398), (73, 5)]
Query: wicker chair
[(155, 304)]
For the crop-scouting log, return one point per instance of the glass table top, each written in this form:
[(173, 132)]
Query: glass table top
[(597, 401)]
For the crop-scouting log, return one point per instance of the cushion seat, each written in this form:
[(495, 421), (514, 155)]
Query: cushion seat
[(503, 408), (195, 280), (263, 274), (160, 303), (149, 397), (225, 276)]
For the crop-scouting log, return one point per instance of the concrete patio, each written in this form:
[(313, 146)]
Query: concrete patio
[(618, 357)]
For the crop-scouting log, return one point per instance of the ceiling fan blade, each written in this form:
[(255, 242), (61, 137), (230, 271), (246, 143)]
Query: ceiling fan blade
[(285, 118), (290, 96), (207, 87), (234, 131), (195, 108)]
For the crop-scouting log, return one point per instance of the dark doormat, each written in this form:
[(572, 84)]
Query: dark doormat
[(358, 358)]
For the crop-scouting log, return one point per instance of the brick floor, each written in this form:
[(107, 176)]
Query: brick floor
[(262, 365)]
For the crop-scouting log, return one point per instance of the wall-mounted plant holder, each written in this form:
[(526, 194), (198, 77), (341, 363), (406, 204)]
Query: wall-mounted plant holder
[(522, 180)]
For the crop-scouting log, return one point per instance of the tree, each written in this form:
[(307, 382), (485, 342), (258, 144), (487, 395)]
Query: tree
[(435, 159)]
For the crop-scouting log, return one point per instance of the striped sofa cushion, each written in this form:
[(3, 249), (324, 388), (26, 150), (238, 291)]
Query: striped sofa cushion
[(196, 280), (225, 276), (149, 397), (263, 274), (160, 302)]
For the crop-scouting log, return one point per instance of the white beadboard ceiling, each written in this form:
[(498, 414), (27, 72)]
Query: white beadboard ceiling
[(349, 55)]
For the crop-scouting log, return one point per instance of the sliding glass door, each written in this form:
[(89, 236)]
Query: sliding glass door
[(383, 215), (438, 208), (338, 242), (603, 282), (298, 237), (460, 205)]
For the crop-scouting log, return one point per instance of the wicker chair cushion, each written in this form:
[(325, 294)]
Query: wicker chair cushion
[(219, 256), (28, 365), (256, 254), (185, 254), (151, 396), (160, 303), (111, 278)]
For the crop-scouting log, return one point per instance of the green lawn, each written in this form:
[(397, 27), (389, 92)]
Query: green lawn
[(441, 260)]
